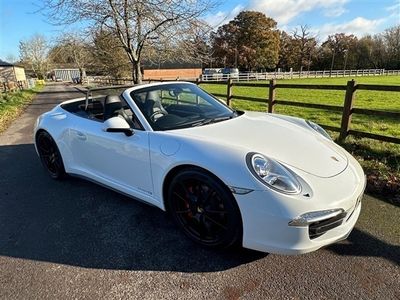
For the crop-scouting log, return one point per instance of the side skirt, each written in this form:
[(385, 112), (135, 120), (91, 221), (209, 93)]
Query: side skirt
[(113, 189)]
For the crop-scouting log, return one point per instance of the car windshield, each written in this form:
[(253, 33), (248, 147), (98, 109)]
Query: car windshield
[(180, 105)]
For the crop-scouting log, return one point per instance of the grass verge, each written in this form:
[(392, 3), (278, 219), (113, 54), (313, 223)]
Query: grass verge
[(13, 104), (381, 163)]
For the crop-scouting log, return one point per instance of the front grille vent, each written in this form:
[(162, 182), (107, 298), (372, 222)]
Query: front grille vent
[(316, 229)]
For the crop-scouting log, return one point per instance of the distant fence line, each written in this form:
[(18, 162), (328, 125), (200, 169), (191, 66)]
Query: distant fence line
[(254, 76), (12, 86), (106, 80)]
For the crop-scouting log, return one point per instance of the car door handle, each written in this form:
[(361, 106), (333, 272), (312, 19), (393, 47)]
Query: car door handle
[(81, 136)]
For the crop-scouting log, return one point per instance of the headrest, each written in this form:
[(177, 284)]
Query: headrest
[(111, 99), (153, 95), (112, 104)]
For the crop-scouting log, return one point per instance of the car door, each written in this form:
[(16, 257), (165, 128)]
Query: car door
[(112, 158)]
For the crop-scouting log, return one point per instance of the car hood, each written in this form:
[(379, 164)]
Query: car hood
[(292, 143)]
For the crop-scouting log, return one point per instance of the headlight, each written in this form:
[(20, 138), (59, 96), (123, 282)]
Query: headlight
[(272, 174), (318, 129)]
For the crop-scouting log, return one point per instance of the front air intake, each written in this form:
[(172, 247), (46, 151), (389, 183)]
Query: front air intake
[(316, 229)]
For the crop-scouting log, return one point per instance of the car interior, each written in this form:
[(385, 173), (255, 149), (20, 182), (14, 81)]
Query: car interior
[(101, 108)]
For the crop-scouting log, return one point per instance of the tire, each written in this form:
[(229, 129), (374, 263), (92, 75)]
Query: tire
[(49, 155), (205, 209)]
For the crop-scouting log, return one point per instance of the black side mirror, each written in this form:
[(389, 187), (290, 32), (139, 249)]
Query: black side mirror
[(127, 131)]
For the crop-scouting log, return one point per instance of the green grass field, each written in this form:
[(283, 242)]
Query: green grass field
[(12, 104), (380, 160), (378, 100)]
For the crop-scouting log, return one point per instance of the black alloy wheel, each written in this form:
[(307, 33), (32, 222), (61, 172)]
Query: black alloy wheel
[(50, 155), (205, 209)]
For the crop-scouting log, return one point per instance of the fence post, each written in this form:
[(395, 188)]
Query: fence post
[(271, 96), (229, 85), (347, 109)]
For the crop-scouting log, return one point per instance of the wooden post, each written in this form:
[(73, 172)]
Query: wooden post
[(229, 94), (197, 97), (271, 96), (347, 109)]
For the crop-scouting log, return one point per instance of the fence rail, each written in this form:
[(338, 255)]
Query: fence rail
[(347, 109)]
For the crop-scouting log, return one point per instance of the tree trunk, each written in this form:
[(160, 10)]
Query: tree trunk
[(82, 75), (136, 73)]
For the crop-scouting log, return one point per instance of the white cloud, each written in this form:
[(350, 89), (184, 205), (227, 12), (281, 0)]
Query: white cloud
[(284, 11), (221, 17), (394, 11), (335, 11), (358, 26)]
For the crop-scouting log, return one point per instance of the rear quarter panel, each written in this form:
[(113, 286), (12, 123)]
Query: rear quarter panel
[(58, 123)]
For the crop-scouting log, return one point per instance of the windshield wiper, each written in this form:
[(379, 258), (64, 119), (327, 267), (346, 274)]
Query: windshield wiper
[(211, 120)]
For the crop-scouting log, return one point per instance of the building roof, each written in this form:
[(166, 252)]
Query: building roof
[(5, 64)]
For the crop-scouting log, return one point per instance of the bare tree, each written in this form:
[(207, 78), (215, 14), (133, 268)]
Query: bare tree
[(34, 53), (191, 47), (305, 44), (195, 45), (134, 22), (73, 49), (391, 37), (109, 58), (11, 58)]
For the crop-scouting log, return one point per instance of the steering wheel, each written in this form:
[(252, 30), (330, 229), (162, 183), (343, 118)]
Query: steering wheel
[(156, 113)]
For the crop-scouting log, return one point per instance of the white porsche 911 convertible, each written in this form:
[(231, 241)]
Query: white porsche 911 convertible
[(268, 182)]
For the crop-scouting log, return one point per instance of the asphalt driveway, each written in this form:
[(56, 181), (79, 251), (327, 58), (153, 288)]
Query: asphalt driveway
[(74, 239)]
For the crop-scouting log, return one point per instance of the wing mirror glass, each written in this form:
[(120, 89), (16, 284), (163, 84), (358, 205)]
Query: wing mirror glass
[(118, 124)]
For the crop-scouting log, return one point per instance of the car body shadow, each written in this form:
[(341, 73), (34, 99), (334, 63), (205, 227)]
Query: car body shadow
[(360, 243), (78, 223)]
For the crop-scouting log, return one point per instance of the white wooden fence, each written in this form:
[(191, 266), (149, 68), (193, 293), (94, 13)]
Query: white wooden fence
[(251, 76)]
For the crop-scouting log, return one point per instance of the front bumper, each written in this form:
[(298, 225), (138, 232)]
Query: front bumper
[(268, 216)]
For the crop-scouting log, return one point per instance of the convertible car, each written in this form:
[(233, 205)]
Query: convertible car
[(268, 182)]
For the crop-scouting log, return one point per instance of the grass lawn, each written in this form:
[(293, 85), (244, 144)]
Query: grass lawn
[(380, 160), (12, 104)]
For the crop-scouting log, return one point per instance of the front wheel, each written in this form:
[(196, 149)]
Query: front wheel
[(205, 209), (50, 155)]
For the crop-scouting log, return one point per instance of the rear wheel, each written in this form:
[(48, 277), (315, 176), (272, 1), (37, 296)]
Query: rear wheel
[(50, 155), (205, 209)]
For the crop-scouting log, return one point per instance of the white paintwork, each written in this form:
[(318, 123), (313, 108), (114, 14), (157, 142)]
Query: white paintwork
[(137, 166), (115, 122)]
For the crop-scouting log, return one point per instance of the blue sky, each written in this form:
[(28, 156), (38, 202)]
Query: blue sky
[(19, 21), (323, 17)]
